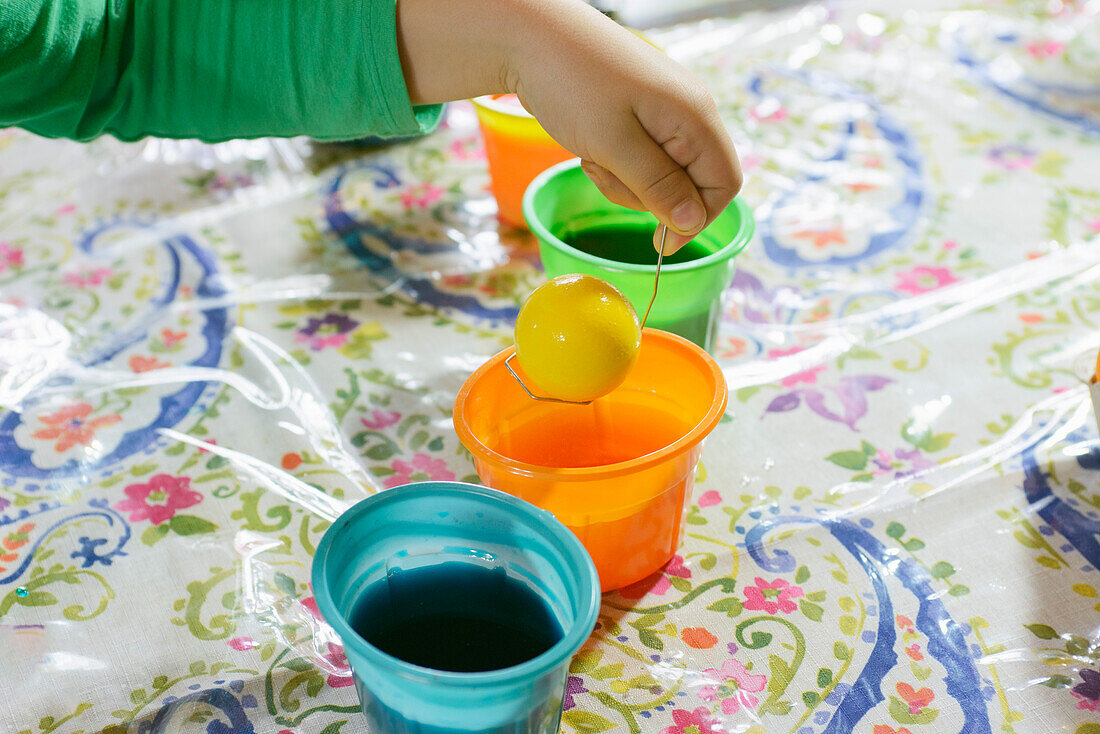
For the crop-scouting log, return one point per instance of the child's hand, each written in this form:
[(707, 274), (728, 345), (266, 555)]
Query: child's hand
[(648, 131)]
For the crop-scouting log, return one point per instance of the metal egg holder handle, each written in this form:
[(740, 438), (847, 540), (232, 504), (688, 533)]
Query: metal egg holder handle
[(656, 281)]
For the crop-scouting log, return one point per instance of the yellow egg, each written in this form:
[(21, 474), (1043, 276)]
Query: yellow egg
[(577, 338)]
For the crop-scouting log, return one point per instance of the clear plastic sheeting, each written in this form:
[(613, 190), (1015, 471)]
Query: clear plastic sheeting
[(208, 352)]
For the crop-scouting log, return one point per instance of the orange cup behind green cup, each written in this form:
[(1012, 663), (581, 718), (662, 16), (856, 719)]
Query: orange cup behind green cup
[(619, 473), (517, 149)]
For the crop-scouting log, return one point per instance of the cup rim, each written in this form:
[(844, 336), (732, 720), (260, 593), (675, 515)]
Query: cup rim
[(696, 434), (561, 651), (731, 249)]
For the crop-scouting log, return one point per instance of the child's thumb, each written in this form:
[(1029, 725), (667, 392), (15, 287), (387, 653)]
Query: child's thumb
[(665, 189)]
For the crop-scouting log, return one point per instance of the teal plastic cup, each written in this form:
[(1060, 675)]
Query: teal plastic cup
[(417, 526), (562, 204)]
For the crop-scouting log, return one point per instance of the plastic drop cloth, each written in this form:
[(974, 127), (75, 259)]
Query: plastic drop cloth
[(208, 352)]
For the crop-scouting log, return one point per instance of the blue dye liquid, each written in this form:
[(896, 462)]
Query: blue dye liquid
[(456, 616)]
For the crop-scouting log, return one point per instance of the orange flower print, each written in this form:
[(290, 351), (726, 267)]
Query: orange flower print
[(822, 238), (139, 363), (69, 426), (884, 729), (171, 338), (698, 637), (913, 651), (916, 700), (13, 541)]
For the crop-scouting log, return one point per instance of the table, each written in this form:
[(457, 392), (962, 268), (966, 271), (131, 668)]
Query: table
[(208, 351)]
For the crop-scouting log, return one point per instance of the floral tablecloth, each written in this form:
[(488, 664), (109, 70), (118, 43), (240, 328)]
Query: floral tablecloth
[(208, 352)]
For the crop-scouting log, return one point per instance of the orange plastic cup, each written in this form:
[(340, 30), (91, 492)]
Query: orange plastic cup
[(619, 472), (518, 149)]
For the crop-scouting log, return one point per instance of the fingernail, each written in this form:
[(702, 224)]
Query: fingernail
[(688, 216)]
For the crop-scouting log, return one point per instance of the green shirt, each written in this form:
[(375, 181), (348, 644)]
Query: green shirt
[(209, 69)]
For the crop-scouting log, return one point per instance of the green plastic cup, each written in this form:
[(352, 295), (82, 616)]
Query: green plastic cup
[(562, 205)]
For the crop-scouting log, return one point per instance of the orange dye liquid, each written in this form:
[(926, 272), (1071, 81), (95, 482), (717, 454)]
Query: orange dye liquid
[(593, 435)]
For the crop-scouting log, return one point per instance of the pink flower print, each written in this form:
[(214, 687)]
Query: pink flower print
[(465, 149), (242, 643), (922, 279), (769, 110), (950, 245), (65, 209), (773, 597), (335, 657), (87, 278), (310, 603), (421, 196), (70, 426), (733, 686), (158, 499), (709, 498), (809, 376), (1044, 49), (1011, 156), (751, 161), (657, 583), (422, 468), (10, 257), (676, 567), (693, 722), (380, 419), (1094, 224)]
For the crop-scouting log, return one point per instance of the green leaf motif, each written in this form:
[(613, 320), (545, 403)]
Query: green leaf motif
[(286, 584), (811, 610), (848, 625), (585, 660), (585, 722), (895, 530), (1042, 631), (824, 677), (854, 460), (942, 570), (37, 598), (899, 710), (841, 651), (801, 575), (191, 525), (731, 605), (781, 674), (1057, 681), (153, 533), (614, 670), (334, 727), (810, 698)]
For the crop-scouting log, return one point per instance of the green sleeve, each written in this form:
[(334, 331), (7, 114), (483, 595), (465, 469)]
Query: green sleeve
[(208, 69)]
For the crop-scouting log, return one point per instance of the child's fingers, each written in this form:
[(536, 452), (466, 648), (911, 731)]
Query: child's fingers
[(698, 142), (610, 186), (662, 186)]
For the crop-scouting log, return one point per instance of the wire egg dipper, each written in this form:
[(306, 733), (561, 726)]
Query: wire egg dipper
[(613, 352)]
